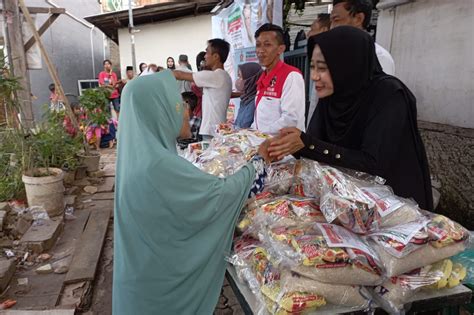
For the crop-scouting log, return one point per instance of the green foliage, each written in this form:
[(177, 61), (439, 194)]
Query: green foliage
[(23, 150), (11, 170), (95, 103), (8, 84)]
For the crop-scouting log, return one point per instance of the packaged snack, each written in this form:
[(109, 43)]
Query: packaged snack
[(280, 177), (307, 181), (279, 301), (306, 209), (290, 302), (341, 198), (444, 232), (250, 210), (229, 151), (362, 206)]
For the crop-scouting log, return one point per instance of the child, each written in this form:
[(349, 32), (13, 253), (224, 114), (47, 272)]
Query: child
[(55, 102), (190, 101), (67, 123)]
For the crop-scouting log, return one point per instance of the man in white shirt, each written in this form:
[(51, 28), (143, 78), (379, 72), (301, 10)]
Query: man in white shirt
[(357, 13), (280, 100), (183, 65), (216, 84)]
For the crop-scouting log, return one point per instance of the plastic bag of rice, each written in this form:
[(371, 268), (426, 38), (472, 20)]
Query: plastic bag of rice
[(413, 245)]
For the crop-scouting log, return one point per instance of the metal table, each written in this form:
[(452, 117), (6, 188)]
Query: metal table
[(422, 301)]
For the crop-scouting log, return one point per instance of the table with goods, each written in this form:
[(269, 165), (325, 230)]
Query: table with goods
[(326, 240)]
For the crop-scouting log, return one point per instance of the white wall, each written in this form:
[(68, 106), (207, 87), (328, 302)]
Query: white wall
[(158, 41), (432, 43)]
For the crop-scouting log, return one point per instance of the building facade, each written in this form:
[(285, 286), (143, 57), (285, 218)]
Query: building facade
[(432, 43)]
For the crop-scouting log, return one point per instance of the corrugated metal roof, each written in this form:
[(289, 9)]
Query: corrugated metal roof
[(110, 22)]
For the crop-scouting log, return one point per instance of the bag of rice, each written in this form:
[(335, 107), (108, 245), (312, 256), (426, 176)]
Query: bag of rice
[(277, 300), (361, 206), (409, 246), (326, 253), (337, 294), (250, 210), (398, 290), (281, 211)]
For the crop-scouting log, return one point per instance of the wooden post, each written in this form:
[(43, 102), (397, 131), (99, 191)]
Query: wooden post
[(41, 30), (17, 57), (51, 68)]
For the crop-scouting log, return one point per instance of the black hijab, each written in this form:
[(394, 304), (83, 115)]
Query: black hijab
[(353, 64), (361, 89)]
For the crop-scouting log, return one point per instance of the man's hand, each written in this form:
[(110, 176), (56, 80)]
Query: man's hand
[(287, 142), (184, 76)]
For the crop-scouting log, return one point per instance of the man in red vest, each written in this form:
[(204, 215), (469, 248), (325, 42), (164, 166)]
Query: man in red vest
[(280, 99)]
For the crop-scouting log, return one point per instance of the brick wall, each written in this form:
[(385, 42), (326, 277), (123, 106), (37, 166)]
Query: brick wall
[(450, 153), (114, 56)]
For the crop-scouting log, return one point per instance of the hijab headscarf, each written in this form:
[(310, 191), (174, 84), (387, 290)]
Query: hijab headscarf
[(361, 90), (353, 64), (173, 223), (251, 72)]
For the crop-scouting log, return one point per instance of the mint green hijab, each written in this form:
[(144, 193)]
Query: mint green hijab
[(173, 223)]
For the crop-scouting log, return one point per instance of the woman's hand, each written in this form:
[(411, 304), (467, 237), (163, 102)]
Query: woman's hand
[(263, 151), (287, 142)]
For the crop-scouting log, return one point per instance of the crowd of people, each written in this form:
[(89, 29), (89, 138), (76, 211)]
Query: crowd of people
[(173, 223)]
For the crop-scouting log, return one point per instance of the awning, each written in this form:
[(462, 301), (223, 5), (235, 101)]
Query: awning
[(110, 22)]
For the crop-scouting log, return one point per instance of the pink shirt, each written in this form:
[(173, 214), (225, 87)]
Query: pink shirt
[(112, 79)]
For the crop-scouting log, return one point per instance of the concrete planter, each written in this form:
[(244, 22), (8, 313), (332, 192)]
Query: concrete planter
[(46, 191), (69, 176), (81, 172), (91, 161)]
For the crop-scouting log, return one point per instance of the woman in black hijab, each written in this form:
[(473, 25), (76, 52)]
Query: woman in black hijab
[(365, 119)]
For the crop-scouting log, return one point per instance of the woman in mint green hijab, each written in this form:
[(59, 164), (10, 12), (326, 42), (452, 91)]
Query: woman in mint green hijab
[(173, 223)]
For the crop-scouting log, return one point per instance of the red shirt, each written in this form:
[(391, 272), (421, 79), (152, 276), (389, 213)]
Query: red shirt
[(112, 80)]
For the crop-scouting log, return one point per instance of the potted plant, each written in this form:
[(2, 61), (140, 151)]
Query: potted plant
[(65, 146), (95, 103), (32, 156)]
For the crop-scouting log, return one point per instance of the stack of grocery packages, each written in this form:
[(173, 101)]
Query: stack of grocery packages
[(319, 236)]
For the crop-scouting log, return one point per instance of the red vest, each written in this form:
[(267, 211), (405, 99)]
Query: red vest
[(271, 84)]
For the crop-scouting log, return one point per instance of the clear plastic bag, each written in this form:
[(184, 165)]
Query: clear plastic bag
[(362, 206), (39, 214), (229, 151), (279, 301), (285, 210), (337, 294), (325, 252), (307, 181), (397, 291), (280, 177), (466, 258), (446, 238), (402, 239)]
